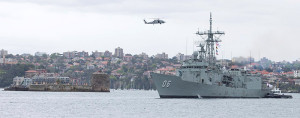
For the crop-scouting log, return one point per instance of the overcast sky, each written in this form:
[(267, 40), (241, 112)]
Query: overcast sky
[(266, 28)]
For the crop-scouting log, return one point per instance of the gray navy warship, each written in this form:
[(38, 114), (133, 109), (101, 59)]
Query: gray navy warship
[(202, 77)]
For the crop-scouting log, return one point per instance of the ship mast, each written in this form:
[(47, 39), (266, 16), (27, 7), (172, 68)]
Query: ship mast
[(212, 38)]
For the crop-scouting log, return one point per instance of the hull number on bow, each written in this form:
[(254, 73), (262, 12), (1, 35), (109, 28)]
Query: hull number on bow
[(166, 83)]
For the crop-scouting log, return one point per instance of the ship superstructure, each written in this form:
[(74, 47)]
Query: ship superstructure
[(200, 76)]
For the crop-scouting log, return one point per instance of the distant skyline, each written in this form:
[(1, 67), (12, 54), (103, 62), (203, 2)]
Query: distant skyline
[(265, 28)]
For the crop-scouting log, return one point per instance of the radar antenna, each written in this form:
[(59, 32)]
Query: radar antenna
[(212, 38)]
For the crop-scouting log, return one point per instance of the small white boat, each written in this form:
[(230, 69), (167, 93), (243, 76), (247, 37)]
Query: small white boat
[(276, 90)]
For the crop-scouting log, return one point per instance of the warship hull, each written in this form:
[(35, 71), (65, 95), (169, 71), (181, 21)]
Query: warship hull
[(170, 86)]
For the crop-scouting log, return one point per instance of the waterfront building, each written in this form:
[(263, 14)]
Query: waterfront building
[(50, 78), (21, 81), (27, 82), (17, 80), (31, 73), (119, 52)]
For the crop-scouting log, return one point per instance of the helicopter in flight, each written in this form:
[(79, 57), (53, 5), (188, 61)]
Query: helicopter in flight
[(156, 21)]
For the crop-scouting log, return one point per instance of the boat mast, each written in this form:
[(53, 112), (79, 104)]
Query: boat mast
[(211, 53), (212, 38)]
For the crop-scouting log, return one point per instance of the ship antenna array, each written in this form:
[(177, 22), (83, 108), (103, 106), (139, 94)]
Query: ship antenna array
[(212, 38)]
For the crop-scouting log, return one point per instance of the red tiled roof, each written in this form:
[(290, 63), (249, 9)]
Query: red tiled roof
[(30, 71), (289, 72)]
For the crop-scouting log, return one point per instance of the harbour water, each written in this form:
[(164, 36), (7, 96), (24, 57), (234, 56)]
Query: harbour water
[(138, 103)]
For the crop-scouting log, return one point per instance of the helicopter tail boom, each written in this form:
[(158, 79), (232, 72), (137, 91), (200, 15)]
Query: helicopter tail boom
[(145, 22)]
